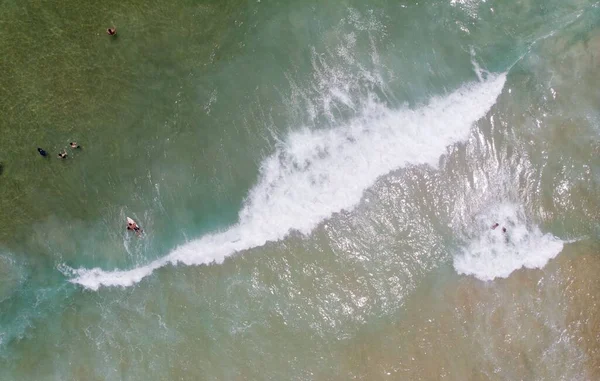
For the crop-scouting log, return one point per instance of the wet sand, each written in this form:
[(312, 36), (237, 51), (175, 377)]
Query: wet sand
[(534, 325)]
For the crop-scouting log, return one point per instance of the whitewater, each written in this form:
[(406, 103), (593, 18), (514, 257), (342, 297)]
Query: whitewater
[(315, 173), (495, 252)]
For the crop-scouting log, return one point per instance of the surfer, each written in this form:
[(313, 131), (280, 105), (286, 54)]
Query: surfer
[(74, 145), (132, 225), (42, 152), (111, 31), (63, 154)]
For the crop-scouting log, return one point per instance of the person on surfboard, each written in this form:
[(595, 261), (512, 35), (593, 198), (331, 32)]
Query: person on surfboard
[(132, 225)]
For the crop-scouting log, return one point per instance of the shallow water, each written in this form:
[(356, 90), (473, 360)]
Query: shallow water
[(316, 182)]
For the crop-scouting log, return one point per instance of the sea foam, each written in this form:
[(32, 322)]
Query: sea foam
[(492, 253), (315, 173)]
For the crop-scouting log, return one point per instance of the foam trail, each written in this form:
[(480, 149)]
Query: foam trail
[(314, 174), (494, 254)]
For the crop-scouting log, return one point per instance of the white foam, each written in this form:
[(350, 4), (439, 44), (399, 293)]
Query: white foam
[(315, 173), (491, 253), (482, 74)]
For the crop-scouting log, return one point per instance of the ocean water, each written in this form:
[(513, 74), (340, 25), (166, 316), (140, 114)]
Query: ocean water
[(317, 183)]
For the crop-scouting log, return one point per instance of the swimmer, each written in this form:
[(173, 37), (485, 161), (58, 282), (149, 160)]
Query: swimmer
[(494, 226), (111, 31), (63, 154), (74, 145), (42, 152)]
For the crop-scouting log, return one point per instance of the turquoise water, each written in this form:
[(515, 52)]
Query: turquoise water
[(316, 182)]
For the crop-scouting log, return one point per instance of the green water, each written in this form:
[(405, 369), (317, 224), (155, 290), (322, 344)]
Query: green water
[(177, 116)]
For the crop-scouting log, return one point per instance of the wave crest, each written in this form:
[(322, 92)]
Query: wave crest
[(314, 174)]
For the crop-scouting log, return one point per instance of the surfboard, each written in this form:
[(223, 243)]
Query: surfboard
[(131, 221)]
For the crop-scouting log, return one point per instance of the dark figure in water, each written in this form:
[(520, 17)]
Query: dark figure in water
[(111, 31), (74, 145), (63, 154), (494, 226), (42, 152)]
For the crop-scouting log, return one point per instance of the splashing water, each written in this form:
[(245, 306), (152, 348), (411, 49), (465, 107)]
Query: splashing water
[(494, 253)]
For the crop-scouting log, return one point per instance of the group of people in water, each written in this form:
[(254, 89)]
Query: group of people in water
[(131, 224), (62, 154)]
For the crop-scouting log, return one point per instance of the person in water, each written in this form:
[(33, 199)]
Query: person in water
[(74, 145), (63, 154), (42, 152), (133, 226), (111, 31), (494, 226)]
